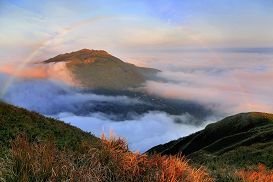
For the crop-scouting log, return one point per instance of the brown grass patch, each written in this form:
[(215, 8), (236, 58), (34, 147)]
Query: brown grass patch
[(260, 175), (112, 161)]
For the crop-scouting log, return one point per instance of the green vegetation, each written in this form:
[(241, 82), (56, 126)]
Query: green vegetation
[(236, 142), (36, 148), (15, 121)]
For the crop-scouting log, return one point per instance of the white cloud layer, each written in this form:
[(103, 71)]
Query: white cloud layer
[(229, 82), (142, 133), (226, 82), (73, 106)]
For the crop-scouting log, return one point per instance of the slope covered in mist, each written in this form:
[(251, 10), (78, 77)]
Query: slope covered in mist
[(156, 120), (63, 90)]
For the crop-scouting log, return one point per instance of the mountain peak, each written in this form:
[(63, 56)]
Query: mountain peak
[(93, 52), (80, 55)]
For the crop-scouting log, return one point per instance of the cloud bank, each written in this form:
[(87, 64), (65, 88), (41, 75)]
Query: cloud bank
[(142, 133), (89, 112), (226, 83), (40, 71)]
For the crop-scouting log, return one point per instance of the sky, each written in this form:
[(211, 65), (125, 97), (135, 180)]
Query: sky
[(34, 30)]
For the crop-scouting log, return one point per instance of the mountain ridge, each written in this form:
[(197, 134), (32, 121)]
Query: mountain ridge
[(82, 54), (232, 125), (241, 141)]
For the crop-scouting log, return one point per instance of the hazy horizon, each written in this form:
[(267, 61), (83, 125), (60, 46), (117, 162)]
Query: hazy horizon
[(34, 30)]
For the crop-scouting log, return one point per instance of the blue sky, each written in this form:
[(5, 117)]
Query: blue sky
[(122, 27)]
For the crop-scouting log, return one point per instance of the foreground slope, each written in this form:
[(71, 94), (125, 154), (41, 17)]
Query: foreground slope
[(15, 121), (36, 148), (98, 69), (241, 140)]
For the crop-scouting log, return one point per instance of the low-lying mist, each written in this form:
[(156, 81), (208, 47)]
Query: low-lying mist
[(226, 81), (142, 122), (197, 89)]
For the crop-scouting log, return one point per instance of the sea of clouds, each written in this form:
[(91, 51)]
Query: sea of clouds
[(227, 83), (61, 101)]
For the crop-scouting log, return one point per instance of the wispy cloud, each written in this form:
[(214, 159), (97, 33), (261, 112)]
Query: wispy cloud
[(230, 82), (59, 26)]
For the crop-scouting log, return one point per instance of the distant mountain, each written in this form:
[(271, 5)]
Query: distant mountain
[(242, 140), (98, 69), (101, 73)]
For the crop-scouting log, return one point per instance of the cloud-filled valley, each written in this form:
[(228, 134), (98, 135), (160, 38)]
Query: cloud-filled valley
[(142, 121), (196, 89)]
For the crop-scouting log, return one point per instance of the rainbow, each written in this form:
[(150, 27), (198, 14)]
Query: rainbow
[(59, 35)]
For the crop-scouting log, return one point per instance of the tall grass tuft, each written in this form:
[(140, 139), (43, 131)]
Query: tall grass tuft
[(110, 161), (262, 174)]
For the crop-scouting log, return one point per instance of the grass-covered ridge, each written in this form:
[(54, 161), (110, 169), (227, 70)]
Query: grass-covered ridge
[(237, 142), (15, 121), (36, 148)]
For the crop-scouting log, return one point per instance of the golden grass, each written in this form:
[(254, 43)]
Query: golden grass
[(260, 175), (112, 161)]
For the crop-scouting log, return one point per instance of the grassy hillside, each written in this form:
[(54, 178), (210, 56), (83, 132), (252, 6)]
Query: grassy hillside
[(98, 69), (236, 142), (36, 148), (15, 121)]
